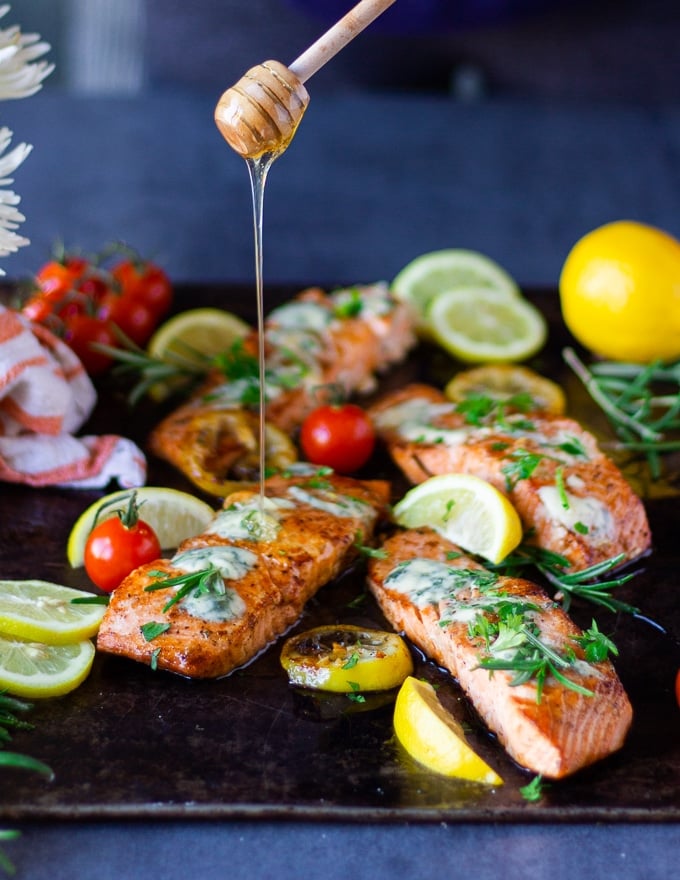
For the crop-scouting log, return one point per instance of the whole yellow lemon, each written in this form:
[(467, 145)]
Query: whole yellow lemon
[(620, 292)]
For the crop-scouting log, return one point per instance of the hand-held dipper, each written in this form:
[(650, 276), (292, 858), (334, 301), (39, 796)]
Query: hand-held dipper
[(261, 112)]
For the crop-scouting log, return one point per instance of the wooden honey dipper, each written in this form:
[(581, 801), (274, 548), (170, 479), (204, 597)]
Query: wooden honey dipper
[(261, 112)]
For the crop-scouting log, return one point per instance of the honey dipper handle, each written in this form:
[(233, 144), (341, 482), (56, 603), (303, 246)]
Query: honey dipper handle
[(337, 37)]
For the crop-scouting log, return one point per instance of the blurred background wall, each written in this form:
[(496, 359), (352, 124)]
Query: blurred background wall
[(622, 50)]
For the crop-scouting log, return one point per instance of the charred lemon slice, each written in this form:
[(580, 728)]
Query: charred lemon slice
[(507, 382), (345, 659)]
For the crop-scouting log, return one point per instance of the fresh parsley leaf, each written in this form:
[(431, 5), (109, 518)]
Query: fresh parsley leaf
[(153, 629)]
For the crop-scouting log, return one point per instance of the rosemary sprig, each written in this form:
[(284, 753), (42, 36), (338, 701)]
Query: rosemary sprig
[(9, 720), (642, 418), (207, 580), (588, 583)]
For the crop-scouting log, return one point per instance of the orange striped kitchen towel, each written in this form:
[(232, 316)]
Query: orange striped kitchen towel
[(45, 398)]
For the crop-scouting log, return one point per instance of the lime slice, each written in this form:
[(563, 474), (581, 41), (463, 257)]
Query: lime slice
[(173, 515), (433, 737), (34, 669), (45, 612), (466, 510), (478, 325), (433, 273), (504, 381), (190, 338)]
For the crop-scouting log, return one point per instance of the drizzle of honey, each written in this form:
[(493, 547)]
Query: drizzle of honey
[(258, 169)]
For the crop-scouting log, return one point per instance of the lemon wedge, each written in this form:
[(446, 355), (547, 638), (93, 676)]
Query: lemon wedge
[(466, 510), (478, 325), (503, 381), (191, 338), (33, 669), (172, 514), (431, 274), (433, 737), (45, 612)]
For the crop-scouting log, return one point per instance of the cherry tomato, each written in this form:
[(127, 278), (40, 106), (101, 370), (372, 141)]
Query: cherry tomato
[(343, 658), (677, 687), (59, 276), (339, 436), (81, 332), (145, 282), (133, 316), (118, 545)]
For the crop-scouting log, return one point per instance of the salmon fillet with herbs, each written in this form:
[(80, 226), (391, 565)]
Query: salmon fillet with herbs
[(572, 499), (228, 593), (315, 346), (524, 665)]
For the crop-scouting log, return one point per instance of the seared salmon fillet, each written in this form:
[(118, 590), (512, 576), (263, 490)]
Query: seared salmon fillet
[(572, 499), (257, 566), (315, 345), (463, 616)]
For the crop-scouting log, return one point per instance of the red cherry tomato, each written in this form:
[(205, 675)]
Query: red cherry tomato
[(80, 334), (59, 276), (339, 436), (134, 317), (118, 545), (145, 282), (677, 687)]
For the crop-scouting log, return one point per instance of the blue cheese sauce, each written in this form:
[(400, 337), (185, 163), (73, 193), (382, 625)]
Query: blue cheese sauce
[(233, 563), (254, 520), (428, 582), (331, 502), (300, 315), (576, 513)]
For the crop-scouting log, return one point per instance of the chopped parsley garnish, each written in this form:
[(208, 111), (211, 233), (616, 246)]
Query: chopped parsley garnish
[(153, 629)]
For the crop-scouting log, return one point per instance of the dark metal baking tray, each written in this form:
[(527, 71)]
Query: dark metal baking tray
[(132, 743)]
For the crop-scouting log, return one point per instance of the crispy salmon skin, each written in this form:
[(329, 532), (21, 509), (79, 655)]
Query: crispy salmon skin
[(229, 592), (572, 499), (463, 617)]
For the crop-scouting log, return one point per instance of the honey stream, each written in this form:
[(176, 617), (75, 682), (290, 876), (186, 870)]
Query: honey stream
[(258, 169)]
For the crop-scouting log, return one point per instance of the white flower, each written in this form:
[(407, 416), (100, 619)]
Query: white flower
[(21, 74), (10, 218)]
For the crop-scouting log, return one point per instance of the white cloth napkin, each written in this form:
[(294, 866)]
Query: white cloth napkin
[(45, 397)]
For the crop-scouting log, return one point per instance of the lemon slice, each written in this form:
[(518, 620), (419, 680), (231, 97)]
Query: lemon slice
[(172, 514), (343, 658), (478, 325), (191, 337), (433, 273), (465, 509), (433, 737), (34, 669), (45, 612), (503, 381)]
